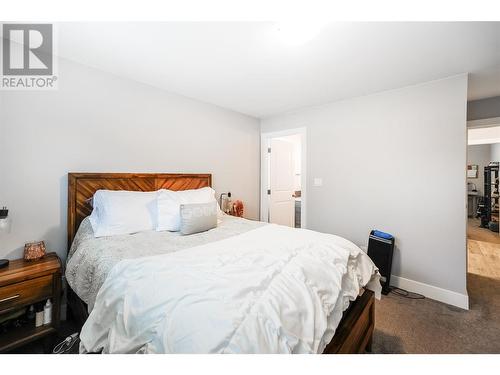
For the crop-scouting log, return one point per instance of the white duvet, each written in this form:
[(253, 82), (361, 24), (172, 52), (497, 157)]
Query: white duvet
[(270, 290)]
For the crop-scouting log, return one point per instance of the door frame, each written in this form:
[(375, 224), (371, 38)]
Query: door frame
[(264, 171)]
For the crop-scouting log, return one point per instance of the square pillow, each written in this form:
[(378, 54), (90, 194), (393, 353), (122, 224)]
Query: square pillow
[(198, 217), (169, 205)]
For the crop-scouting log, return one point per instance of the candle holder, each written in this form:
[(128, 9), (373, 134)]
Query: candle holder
[(34, 250)]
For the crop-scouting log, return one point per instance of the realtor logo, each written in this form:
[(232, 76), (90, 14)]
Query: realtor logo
[(27, 56), (27, 49)]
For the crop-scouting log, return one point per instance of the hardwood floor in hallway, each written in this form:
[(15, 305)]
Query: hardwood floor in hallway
[(483, 250), (475, 232)]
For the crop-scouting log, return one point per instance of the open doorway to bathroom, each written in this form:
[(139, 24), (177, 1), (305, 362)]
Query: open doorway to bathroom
[(283, 177)]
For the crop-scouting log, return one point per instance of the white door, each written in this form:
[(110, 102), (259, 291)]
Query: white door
[(281, 182)]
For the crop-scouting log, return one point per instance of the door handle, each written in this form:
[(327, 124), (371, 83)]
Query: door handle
[(9, 298)]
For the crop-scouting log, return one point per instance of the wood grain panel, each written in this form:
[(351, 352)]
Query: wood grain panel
[(19, 270), (26, 292), (82, 186)]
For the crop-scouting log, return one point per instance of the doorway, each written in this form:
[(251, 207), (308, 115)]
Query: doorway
[(483, 240), (283, 177)]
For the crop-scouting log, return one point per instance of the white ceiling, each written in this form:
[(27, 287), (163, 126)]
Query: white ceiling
[(252, 68)]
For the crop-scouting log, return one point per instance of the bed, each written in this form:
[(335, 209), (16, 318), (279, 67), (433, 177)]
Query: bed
[(91, 261)]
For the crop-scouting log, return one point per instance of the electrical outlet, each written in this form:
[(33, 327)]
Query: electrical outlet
[(318, 181)]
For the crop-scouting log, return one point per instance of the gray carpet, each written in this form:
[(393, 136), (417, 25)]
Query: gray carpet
[(428, 326)]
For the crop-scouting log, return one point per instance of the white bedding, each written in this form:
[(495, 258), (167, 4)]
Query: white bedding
[(272, 289), (91, 259)]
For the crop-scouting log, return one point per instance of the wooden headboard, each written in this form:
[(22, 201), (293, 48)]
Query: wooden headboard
[(82, 186)]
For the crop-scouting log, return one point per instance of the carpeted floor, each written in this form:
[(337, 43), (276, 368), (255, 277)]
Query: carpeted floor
[(427, 326)]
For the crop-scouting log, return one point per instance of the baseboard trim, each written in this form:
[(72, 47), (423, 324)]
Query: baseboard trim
[(432, 292)]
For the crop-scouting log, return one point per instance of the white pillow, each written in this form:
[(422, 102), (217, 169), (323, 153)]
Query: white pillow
[(123, 212), (169, 205)]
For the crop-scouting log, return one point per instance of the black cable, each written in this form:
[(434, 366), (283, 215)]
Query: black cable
[(406, 294)]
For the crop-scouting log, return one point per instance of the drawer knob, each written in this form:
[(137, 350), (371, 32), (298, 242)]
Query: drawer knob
[(9, 298)]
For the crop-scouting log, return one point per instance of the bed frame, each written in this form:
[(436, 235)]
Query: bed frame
[(355, 331)]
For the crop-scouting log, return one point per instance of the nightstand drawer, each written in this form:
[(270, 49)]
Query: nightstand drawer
[(26, 292)]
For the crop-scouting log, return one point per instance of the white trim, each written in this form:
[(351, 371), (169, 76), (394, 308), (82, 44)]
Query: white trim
[(484, 123), (485, 141), (485, 134), (264, 138), (433, 292)]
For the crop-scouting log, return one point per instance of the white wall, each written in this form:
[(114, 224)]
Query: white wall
[(495, 152), (96, 122), (394, 161), (481, 156)]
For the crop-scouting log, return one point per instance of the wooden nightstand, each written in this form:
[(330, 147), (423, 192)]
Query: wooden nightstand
[(24, 283)]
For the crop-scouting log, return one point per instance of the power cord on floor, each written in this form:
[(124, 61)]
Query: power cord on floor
[(406, 294), (66, 345)]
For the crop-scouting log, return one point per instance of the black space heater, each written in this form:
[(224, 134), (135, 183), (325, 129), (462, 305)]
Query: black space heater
[(380, 250)]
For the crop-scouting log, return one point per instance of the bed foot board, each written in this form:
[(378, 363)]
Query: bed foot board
[(355, 331)]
